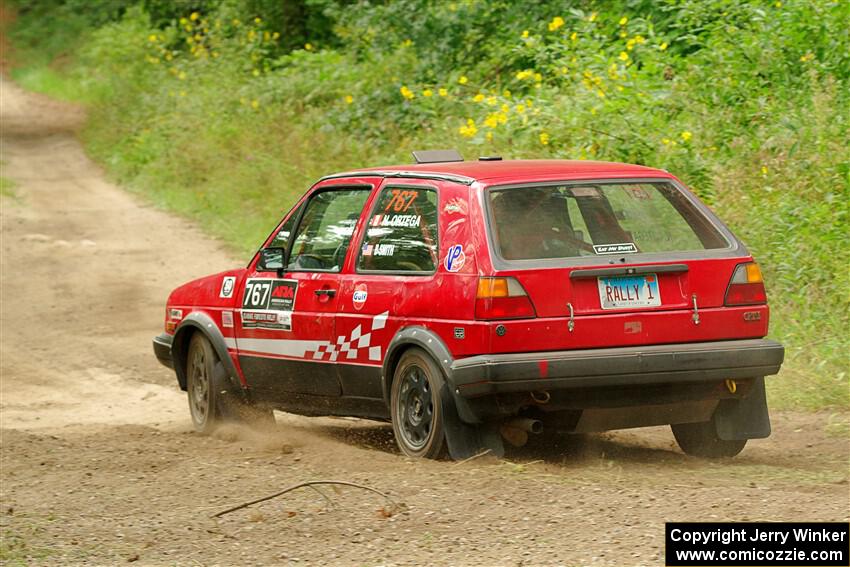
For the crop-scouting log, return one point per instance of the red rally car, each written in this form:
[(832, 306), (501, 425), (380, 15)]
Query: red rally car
[(473, 302)]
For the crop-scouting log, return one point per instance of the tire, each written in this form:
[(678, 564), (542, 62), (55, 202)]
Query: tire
[(211, 401), (701, 440), (416, 406), (202, 391)]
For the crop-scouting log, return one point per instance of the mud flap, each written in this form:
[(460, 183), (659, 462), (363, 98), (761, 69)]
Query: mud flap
[(746, 418), (465, 440)]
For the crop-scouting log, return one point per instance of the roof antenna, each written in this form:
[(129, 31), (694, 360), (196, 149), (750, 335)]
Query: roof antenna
[(436, 156)]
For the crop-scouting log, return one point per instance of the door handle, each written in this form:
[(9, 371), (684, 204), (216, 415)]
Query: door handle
[(326, 292)]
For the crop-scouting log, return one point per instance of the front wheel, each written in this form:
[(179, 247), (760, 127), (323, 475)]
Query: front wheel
[(701, 440), (211, 401), (415, 406)]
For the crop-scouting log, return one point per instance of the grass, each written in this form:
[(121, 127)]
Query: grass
[(213, 118)]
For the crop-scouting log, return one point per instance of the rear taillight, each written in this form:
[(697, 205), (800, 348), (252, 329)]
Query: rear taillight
[(502, 298), (746, 286)]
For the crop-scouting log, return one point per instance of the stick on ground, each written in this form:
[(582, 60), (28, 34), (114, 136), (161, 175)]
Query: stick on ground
[(301, 485)]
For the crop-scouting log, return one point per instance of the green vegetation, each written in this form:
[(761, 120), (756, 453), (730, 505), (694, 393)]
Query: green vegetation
[(227, 111)]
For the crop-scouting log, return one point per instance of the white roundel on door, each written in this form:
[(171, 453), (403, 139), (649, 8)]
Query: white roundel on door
[(360, 296)]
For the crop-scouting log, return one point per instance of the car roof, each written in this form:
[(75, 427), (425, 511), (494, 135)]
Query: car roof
[(512, 171)]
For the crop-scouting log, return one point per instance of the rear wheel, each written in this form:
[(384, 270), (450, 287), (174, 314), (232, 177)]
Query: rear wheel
[(415, 405), (211, 401), (701, 440)]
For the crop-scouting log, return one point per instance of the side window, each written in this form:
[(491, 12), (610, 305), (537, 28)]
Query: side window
[(324, 233), (401, 235)]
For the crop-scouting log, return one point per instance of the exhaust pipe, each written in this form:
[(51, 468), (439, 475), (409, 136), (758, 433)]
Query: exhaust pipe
[(515, 431), (525, 424)]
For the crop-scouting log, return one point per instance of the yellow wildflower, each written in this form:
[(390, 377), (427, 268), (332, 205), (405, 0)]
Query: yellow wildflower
[(544, 138), (427, 93), (505, 108), (624, 20), (469, 129), (463, 80), (506, 93), (256, 72), (407, 43), (492, 121), (764, 170), (491, 101), (522, 75), (183, 21), (639, 39), (778, 4), (624, 56), (478, 98), (574, 36), (152, 38), (406, 93), (236, 22), (349, 99), (538, 77), (443, 92), (182, 93), (556, 23), (686, 136), (524, 34), (520, 108), (194, 16), (258, 21), (181, 76), (308, 46), (592, 17), (255, 104), (663, 46), (489, 136), (630, 44)]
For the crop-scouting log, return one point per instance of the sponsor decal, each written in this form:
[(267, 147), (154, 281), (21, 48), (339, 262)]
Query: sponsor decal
[(227, 285), (455, 258), (460, 333), (268, 304), (227, 318), (360, 296), (396, 221), (623, 248), (456, 206), (175, 314)]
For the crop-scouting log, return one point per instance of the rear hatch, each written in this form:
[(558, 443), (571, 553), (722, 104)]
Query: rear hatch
[(627, 262)]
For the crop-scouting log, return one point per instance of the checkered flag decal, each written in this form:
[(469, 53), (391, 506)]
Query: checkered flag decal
[(348, 348)]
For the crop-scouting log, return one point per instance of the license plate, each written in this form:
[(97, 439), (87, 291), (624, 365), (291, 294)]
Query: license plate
[(626, 292)]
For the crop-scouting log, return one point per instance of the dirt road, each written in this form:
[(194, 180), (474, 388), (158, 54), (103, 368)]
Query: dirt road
[(99, 464)]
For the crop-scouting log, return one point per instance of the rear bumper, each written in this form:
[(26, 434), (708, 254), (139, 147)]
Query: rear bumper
[(625, 366), (162, 349)]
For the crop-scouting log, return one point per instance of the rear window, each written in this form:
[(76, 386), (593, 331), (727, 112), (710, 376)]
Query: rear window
[(597, 219)]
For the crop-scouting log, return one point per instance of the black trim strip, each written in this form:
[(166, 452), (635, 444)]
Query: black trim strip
[(650, 269)]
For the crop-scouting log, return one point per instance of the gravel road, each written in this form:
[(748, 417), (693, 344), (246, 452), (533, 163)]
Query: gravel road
[(98, 463)]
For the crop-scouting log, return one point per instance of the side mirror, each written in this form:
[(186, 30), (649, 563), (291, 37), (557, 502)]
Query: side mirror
[(271, 260)]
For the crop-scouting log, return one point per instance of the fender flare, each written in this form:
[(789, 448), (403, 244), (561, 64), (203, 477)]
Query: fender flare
[(423, 338), (198, 321)]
